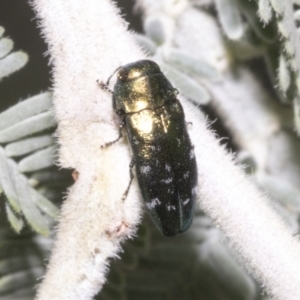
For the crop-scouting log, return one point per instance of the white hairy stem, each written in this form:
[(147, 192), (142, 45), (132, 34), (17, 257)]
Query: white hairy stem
[(87, 41)]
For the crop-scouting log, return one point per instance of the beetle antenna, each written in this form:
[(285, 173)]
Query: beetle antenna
[(104, 87), (109, 78)]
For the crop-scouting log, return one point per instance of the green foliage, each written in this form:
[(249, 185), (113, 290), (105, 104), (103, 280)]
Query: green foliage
[(286, 16), (27, 151), (230, 18), (277, 30), (179, 67), (21, 263), (17, 127), (193, 265)]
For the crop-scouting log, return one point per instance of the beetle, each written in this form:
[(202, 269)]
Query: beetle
[(163, 154)]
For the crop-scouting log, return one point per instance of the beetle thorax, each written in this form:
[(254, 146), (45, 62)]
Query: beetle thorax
[(145, 92)]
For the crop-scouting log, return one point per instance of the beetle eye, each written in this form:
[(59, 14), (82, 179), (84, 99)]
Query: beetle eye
[(123, 74)]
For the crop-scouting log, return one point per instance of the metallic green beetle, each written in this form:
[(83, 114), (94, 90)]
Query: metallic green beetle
[(162, 151)]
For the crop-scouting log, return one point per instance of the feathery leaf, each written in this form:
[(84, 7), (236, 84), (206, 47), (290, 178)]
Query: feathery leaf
[(12, 63)]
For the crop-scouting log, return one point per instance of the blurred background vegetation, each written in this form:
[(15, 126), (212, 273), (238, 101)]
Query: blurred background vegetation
[(20, 24)]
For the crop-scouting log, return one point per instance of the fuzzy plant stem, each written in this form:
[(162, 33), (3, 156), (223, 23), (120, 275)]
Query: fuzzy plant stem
[(87, 41)]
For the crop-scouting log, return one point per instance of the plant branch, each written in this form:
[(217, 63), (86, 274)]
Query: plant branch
[(88, 41)]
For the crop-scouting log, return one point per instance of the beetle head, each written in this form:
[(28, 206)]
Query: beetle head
[(141, 85), (137, 69)]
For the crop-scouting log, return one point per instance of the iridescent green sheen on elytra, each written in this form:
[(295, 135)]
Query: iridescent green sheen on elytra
[(162, 151)]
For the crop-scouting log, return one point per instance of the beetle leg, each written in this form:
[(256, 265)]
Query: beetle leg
[(132, 163), (117, 139), (104, 87)]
